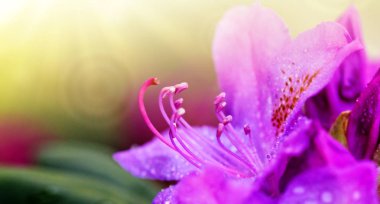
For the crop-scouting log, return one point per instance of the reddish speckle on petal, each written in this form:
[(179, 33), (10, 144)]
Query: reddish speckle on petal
[(291, 93)]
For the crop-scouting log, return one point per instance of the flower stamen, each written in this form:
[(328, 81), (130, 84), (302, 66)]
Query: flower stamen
[(198, 149)]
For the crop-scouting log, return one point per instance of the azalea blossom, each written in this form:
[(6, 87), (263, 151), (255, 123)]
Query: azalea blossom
[(263, 149), (349, 80)]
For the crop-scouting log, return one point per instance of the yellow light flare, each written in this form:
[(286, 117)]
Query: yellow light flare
[(80, 59)]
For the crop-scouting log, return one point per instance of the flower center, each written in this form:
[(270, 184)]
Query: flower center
[(235, 152)]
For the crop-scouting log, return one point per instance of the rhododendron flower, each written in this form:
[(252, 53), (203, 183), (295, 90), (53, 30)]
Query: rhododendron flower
[(348, 81), (266, 78)]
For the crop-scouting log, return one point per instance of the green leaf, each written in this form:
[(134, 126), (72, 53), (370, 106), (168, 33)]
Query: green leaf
[(44, 186), (96, 162)]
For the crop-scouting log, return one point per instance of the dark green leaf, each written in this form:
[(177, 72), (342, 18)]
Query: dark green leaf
[(43, 186), (95, 161)]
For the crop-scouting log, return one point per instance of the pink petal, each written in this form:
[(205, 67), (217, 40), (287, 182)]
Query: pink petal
[(308, 147), (373, 67), (165, 196), (154, 160), (210, 186), (246, 41), (355, 184), (351, 21), (364, 122), (266, 76), (348, 81), (310, 61)]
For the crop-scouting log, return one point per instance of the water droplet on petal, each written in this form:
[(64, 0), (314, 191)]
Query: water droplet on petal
[(298, 190), (356, 195), (326, 197)]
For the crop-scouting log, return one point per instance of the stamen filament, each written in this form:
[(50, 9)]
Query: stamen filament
[(234, 138), (196, 136), (218, 137), (147, 83), (181, 152), (172, 134)]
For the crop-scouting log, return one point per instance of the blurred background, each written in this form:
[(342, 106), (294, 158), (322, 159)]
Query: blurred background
[(70, 69)]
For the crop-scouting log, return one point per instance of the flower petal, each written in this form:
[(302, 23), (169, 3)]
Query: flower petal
[(373, 67), (165, 196), (266, 76), (364, 122), (354, 184), (351, 21), (309, 63), (348, 81), (154, 160), (246, 41), (307, 148), (210, 186)]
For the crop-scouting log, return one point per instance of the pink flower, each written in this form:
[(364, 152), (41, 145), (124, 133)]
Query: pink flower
[(263, 147)]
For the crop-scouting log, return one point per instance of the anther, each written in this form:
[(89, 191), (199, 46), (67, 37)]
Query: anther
[(178, 103), (167, 90), (181, 87), (180, 112), (221, 106), (227, 119), (155, 81), (220, 98)]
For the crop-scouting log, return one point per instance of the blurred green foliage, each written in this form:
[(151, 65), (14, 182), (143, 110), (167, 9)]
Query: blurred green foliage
[(73, 173)]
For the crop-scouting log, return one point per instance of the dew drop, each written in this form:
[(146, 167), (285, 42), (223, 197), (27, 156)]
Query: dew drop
[(326, 197), (298, 190), (356, 195)]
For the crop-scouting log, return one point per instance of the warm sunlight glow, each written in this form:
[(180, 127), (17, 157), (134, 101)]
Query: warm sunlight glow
[(10, 9)]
